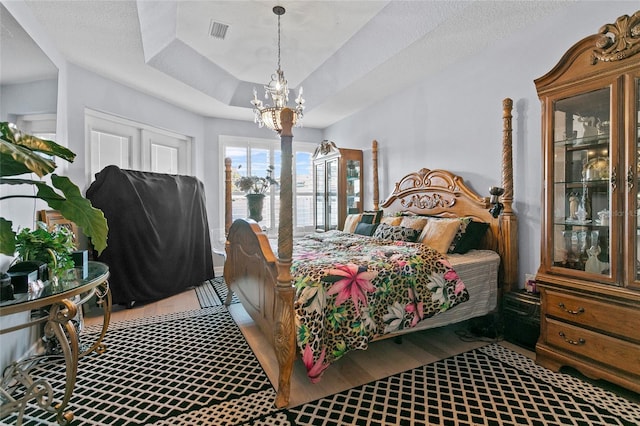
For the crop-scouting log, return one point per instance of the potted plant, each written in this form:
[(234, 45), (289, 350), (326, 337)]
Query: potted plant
[(21, 154), (51, 247), (256, 184), (255, 188)]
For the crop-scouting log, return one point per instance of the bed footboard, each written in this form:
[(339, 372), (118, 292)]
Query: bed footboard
[(250, 271)]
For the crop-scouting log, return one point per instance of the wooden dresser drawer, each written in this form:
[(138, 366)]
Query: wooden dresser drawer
[(609, 317), (584, 343)]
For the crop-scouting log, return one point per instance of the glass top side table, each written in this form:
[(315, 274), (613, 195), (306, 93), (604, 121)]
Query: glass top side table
[(17, 386)]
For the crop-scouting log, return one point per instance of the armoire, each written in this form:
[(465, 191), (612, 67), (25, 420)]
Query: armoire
[(589, 275), (337, 185)]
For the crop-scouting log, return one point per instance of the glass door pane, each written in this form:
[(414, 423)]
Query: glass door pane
[(320, 195), (332, 193), (303, 201), (581, 201), (353, 186), (634, 193)]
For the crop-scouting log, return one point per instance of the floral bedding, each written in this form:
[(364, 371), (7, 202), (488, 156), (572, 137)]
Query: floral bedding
[(352, 288)]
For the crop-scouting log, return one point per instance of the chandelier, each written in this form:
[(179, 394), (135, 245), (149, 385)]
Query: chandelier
[(277, 89)]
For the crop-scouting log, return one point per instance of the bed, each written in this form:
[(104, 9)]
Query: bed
[(280, 292)]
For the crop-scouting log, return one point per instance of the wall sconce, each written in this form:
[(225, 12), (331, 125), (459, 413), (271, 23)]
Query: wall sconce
[(494, 200)]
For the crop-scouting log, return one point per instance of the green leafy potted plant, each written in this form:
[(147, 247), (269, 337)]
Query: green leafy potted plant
[(21, 153), (52, 247)]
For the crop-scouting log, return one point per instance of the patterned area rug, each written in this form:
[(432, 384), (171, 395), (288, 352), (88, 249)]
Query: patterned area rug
[(491, 385), (213, 293), (156, 369), (196, 368)]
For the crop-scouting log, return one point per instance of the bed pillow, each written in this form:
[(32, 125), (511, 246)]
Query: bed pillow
[(395, 233), (391, 220), (366, 228), (464, 221), (351, 222), (433, 218), (438, 233), (371, 216), (472, 237), (415, 222)]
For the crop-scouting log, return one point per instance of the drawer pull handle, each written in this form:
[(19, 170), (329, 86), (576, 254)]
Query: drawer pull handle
[(579, 342), (569, 311)]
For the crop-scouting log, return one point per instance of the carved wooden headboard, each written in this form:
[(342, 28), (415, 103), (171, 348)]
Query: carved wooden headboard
[(443, 194), (440, 193)]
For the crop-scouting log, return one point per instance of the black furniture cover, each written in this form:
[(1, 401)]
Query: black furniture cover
[(158, 242)]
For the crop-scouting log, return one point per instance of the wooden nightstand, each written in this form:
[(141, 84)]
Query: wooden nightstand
[(521, 318)]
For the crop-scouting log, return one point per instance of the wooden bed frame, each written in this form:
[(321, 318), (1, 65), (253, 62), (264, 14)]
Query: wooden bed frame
[(262, 281)]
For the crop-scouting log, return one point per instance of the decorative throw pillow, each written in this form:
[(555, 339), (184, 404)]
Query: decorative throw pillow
[(438, 233), (433, 218), (351, 222), (371, 216), (464, 221), (366, 228), (472, 237), (391, 220), (415, 222), (395, 233)]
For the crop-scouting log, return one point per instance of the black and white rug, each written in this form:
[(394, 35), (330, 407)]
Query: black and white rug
[(491, 385), (156, 369), (196, 368), (213, 292)]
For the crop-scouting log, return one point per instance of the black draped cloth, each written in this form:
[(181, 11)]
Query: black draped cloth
[(158, 243)]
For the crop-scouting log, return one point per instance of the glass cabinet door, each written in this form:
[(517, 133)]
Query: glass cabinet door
[(320, 195), (634, 192), (332, 193), (582, 221), (353, 186)]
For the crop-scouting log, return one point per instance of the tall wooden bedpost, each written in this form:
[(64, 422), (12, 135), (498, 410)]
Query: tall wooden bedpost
[(376, 193), (284, 333), (508, 221), (227, 196)]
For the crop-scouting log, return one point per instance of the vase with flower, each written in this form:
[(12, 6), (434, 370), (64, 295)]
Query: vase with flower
[(255, 188)]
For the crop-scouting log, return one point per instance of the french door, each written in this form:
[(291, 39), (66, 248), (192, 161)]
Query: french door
[(130, 145)]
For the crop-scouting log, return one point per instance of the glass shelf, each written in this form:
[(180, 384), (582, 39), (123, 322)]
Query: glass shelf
[(584, 143)]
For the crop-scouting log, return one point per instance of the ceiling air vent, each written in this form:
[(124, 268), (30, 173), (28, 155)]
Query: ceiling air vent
[(218, 30)]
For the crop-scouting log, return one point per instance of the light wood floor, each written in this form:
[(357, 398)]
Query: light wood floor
[(382, 359)]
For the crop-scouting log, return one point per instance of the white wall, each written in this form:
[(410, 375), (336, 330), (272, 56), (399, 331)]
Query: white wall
[(88, 90), (453, 120), (37, 97)]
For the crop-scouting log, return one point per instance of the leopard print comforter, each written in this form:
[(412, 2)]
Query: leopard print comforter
[(352, 288)]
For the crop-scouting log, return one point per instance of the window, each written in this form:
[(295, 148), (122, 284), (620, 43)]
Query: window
[(252, 157)]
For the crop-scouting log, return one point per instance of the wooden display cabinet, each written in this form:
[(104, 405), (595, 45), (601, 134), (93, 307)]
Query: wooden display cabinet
[(589, 277), (337, 185)]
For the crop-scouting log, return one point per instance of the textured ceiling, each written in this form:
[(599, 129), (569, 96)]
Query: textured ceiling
[(346, 54)]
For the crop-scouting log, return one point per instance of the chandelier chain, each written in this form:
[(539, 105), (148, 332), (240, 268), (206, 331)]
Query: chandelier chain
[(278, 42)]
